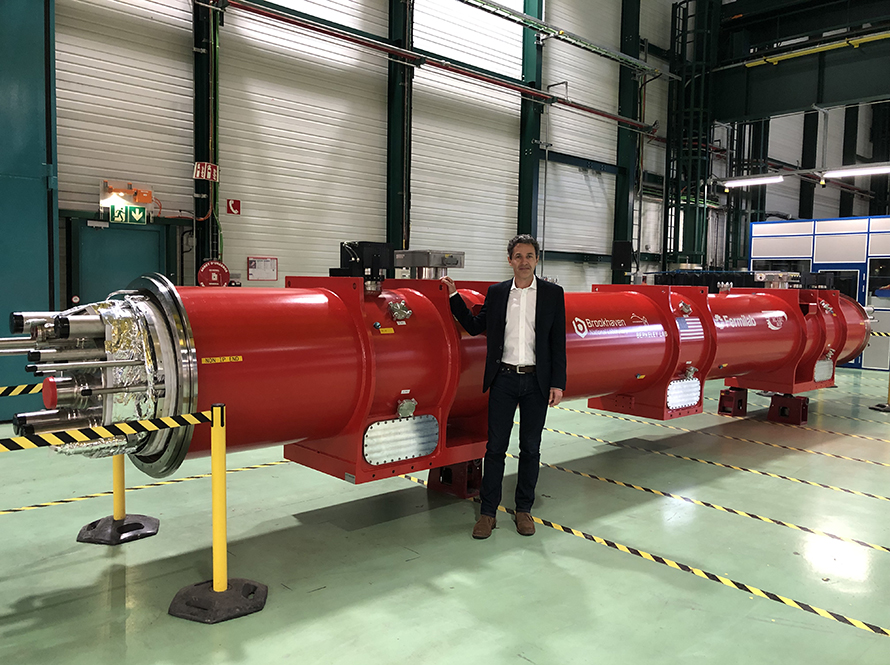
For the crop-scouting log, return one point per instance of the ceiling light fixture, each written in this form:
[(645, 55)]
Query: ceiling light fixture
[(756, 180), (874, 169)]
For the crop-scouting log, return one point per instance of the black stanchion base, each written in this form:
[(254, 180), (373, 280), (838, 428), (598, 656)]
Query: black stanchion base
[(109, 531), (199, 602), (883, 408)]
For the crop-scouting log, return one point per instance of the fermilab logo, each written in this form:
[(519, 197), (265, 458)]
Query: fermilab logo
[(580, 326)]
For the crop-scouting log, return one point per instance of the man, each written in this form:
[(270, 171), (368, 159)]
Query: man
[(525, 366)]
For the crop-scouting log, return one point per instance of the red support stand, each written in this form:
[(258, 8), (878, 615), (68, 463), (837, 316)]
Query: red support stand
[(788, 409), (462, 480), (733, 402)]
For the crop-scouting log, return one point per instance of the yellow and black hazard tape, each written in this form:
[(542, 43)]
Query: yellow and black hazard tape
[(779, 476), (161, 483), (818, 413), (698, 572), (875, 333), (816, 430), (741, 439), (26, 389), (30, 441), (714, 506)]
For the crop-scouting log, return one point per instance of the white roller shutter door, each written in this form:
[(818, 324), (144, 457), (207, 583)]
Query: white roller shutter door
[(302, 143), (465, 145), (124, 99)]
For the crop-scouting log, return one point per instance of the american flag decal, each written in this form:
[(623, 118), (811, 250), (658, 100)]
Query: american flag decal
[(690, 329)]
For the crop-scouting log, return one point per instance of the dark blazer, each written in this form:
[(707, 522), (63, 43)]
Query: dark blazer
[(550, 331)]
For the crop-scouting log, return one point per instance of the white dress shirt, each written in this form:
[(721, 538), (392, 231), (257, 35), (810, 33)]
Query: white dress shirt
[(519, 336)]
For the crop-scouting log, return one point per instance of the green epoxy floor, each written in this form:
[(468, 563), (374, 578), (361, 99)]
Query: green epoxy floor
[(388, 573)]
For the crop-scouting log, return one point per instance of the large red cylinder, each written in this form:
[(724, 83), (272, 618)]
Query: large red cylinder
[(314, 366)]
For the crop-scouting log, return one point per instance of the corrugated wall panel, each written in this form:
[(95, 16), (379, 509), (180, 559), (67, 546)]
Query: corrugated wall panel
[(124, 98), (786, 138), (464, 172), (302, 145), (577, 276), (592, 79), (783, 197), (465, 148), (655, 26), (647, 238), (863, 136), (826, 201), (656, 99), (580, 204), (580, 207), (459, 31), (600, 21), (368, 15), (655, 22), (864, 148)]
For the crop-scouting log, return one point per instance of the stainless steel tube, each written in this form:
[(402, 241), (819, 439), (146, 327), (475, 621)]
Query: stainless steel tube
[(55, 355), (17, 344), (88, 392), (84, 364), (55, 420)]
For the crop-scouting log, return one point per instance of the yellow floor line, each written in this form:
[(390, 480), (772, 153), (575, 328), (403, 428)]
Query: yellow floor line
[(161, 483), (705, 504), (725, 581), (733, 438)]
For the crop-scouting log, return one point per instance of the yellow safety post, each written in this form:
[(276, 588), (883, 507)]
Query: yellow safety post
[(118, 527), (118, 488), (221, 598), (218, 480)]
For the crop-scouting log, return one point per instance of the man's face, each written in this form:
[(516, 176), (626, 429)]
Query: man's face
[(523, 261)]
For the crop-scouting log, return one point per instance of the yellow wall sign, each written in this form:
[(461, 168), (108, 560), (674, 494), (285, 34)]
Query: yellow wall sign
[(387, 331), (221, 359)]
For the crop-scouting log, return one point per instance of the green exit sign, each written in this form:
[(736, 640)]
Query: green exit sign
[(128, 214)]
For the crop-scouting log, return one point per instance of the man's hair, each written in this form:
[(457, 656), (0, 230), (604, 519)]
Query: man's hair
[(522, 239)]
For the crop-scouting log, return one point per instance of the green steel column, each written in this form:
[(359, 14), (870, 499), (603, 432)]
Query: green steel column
[(28, 177), (530, 126), (205, 22), (628, 106), (807, 195), (851, 137), (398, 128)]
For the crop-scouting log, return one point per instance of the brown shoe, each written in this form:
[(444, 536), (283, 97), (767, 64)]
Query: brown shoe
[(483, 527), (525, 525)]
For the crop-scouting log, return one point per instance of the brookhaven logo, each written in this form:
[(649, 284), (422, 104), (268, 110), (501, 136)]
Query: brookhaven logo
[(584, 327)]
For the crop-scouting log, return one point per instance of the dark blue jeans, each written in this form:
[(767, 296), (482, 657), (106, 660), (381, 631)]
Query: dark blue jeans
[(508, 391)]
